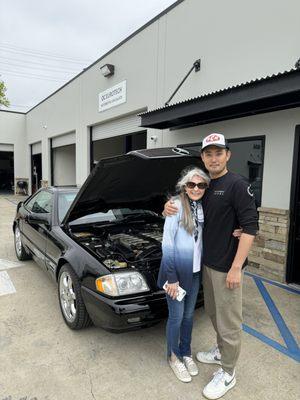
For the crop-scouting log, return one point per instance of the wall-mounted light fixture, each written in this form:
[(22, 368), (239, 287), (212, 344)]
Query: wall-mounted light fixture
[(107, 70)]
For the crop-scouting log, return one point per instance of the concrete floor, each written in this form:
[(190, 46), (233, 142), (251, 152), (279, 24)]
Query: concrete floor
[(40, 358)]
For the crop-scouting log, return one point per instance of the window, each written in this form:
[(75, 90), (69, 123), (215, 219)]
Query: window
[(40, 203), (65, 199), (247, 160)]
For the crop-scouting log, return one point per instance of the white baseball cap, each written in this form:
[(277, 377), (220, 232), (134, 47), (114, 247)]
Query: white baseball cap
[(214, 139)]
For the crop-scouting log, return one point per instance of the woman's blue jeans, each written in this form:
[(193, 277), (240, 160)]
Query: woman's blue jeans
[(180, 321)]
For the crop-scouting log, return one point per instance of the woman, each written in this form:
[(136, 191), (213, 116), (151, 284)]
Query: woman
[(180, 266)]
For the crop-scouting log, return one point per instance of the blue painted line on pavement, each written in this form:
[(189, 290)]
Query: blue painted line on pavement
[(279, 321), (274, 283), (272, 343)]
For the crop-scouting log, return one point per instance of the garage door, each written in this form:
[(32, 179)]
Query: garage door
[(36, 148), (63, 156), (117, 137), (120, 126), (64, 140)]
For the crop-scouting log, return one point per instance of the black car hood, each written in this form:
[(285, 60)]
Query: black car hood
[(137, 180)]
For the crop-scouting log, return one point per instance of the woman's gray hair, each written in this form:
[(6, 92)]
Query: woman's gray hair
[(187, 220), (187, 174)]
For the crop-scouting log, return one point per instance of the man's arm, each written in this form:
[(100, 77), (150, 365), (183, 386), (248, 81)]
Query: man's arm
[(170, 208), (244, 205), (234, 275)]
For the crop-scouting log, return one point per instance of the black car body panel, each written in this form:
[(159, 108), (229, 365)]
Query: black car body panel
[(125, 314), (137, 181)]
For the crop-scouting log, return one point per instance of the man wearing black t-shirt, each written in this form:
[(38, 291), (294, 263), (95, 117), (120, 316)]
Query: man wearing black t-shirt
[(227, 204)]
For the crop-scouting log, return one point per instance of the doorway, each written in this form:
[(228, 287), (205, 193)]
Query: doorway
[(36, 171), (6, 172), (293, 261)]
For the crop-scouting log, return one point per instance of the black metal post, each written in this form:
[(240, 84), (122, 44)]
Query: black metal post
[(196, 66)]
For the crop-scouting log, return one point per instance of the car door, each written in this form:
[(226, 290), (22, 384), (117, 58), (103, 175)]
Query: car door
[(36, 233), (56, 244)]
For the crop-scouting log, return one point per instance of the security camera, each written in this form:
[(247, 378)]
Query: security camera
[(154, 138)]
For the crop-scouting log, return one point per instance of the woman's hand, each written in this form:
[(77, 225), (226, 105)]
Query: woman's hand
[(172, 289), (170, 209)]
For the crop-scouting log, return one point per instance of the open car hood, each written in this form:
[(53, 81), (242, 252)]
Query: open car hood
[(141, 179)]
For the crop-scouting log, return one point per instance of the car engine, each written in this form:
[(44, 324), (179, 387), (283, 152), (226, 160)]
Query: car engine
[(132, 247)]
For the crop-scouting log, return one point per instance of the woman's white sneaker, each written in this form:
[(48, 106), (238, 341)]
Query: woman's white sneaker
[(190, 366), (219, 385), (180, 371), (213, 356)]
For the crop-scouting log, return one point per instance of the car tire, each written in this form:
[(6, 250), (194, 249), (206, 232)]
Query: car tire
[(71, 303), (20, 251)]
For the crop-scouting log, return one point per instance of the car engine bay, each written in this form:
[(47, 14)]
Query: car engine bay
[(124, 246)]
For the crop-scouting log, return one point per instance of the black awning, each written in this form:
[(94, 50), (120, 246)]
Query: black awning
[(277, 92)]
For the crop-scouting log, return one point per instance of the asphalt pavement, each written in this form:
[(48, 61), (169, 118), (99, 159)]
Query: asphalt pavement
[(42, 359)]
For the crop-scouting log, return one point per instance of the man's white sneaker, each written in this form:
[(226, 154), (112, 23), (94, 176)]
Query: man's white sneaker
[(190, 366), (219, 385), (180, 371), (212, 356)]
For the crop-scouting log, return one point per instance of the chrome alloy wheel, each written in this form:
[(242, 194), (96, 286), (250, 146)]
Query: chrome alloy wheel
[(18, 241), (67, 296)]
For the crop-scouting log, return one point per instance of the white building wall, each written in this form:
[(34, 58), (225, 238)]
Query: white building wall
[(58, 115), (13, 131), (279, 129), (75, 107), (236, 41)]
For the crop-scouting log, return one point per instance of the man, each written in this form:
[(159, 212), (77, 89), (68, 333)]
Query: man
[(228, 204)]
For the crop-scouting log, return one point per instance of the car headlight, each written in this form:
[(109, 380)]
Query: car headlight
[(120, 284)]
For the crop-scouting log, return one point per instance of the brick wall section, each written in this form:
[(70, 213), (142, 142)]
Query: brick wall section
[(269, 252)]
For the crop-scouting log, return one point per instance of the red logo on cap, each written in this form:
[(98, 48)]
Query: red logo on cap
[(213, 138)]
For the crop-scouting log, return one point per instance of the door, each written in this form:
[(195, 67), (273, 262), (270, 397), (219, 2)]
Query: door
[(36, 166), (293, 262), (36, 175), (6, 169), (35, 235), (56, 246)]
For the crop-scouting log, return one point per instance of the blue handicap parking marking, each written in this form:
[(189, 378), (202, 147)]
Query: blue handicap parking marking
[(292, 349), (280, 285)]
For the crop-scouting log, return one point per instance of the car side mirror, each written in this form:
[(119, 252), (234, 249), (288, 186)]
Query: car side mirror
[(39, 219), (19, 205)]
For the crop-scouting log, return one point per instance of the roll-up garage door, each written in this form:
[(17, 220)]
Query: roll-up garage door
[(64, 140), (63, 151), (36, 148), (117, 127), (6, 147)]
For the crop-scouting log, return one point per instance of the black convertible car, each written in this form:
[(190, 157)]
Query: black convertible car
[(102, 243)]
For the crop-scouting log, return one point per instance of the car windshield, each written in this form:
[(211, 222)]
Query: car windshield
[(115, 215), (65, 200)]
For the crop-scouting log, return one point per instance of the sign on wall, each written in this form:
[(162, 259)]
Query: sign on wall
[(112, 97)]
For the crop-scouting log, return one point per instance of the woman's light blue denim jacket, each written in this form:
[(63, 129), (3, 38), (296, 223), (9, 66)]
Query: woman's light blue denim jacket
[(178, 252)]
